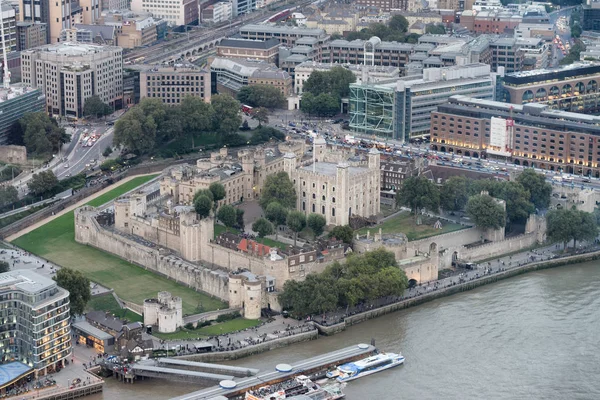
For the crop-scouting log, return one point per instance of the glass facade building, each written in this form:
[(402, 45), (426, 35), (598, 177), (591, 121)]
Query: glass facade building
[(14, 103), (372, 110), (34, 321)]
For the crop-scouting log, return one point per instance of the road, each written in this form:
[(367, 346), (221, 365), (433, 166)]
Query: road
[(565, 35)]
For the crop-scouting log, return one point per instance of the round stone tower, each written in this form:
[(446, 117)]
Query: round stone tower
[(252, 299), (235, 291)]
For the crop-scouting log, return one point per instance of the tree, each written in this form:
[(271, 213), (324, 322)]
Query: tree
[(8, 195), (323, 104), (239, 219), (204, 192), (539, 190), (518, 206), (278, 187), (197, 115), (454, 193), (263, 227), (261, 114), (227, 118), (343, 233), (203, 204), (77, 285), (335, 83), (316, 222), (41, 134), (486, 212), (296, 221), (227, 215), (585, 227), (277, 214), (4, 267), (42, 182), (95, 107), (398, 23), (436, 29), (136, 131), (261, 95), (418, 193), (560, 226), (218, 191)]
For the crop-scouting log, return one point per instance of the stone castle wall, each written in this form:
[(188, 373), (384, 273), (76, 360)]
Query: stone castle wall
[(13, 154), (88, 231)]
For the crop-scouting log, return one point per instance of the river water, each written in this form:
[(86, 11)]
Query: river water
[(536, 336)]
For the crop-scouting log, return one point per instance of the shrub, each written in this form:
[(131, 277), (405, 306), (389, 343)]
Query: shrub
[(228, 317)]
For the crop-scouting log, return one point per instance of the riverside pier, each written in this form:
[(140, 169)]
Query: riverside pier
[(235, 388)]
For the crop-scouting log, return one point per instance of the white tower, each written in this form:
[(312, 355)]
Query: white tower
[(5, 61)]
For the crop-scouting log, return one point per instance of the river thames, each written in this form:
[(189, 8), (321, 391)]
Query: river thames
[(536, 336)]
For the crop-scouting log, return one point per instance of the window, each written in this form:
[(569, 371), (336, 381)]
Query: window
[(333, 212)]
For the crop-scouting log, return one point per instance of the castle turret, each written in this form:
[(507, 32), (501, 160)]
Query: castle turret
[(252, 299), (344, 206), (235, 291)]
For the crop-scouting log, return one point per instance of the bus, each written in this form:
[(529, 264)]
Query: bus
[(246, 109)]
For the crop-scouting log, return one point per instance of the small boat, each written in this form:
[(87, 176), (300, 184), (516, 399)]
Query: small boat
[(370, 365)]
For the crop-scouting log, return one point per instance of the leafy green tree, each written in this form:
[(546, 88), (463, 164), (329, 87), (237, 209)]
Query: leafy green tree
[(41, 135), (109, 165), (204, 192), (296, 221), (316, 222), (239, 219), (218, 191), (261, 95), (261, 114), (4, 267), (585, 227), (486, 212), (42, 182), (278, 187), (419, 193), (263, 227), (539, 190), (454, 193), (435, 29), (203, 205), (398, 23), (518, 206), (227, 215), (343, 233), (95, 107), (323, 104), (560, 226), (107, 151), (197, 115), (227, 118), (77, 285), (277, 214), (154, 108), (8, 195), (335, 83), (136, 131)]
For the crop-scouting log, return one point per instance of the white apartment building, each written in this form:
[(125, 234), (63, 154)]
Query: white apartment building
[(222, 11), (69, 73), (35, 316), (175, 12)]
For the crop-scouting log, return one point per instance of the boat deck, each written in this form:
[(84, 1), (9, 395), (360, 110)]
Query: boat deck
[(281, 373)]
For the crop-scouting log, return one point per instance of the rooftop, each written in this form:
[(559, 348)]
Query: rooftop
[(249, 43), (330, 169), (25, 280), (88, 328), (72, 49), (16, 90), (285, 30)]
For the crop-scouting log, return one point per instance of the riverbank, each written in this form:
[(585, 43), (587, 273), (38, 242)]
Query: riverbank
[(454, 288)]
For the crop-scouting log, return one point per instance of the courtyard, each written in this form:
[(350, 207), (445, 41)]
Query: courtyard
[(404, 222), (55, 241)]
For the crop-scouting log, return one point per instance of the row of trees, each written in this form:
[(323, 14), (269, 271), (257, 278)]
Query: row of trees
[(8, 195), (152, 123), (395, 30), (359, 279), (522, 196), (571, 224), (323, 91), (39, 133), (261, 95)]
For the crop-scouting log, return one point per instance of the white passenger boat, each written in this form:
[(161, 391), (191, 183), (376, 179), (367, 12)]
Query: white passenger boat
[(358, 369)]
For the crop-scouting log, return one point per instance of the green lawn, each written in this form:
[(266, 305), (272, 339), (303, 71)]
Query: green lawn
[(221, 228), (405, 223), (267, 242), (212, 330), (55, 242), (107, 302)]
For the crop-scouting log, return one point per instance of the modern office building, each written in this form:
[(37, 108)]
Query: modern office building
[(218, 12), (172, 84), (31, 34), (98, 34), (591, 16), (401, 109), (230, 75), (569, 88), (532, 134), (369, 52), (34, 314), (14, 103), (10, 28), (262, 50), (285, 34), (69, 73), (175, 12)]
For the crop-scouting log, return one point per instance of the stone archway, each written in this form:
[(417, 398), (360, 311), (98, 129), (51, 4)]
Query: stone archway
[(475, 155), (412, 283), (517, 162), (455, 257), (467, 153), (443, 149)]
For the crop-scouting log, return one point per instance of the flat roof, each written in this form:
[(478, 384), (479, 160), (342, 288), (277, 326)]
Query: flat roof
[(88, 328), (330, 169), (25, 280), (249, 43), (176, 361), (12, 371), (206, 375)]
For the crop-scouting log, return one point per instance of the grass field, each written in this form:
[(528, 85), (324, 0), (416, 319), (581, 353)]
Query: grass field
[(107, 302), (212, 330), (55, 241), (405, 223)]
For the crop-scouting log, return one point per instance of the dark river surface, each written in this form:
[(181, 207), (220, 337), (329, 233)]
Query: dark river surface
[(536, 336)]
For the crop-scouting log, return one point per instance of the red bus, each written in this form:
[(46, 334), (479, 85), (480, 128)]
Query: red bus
[(246, 109)]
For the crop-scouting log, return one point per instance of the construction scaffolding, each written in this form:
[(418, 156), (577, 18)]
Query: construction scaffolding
[(372, 110)]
